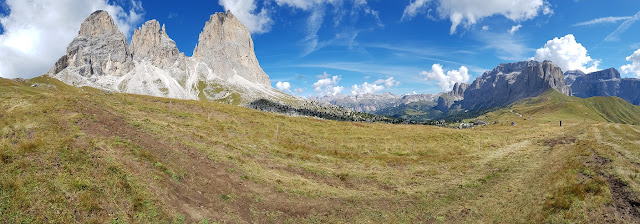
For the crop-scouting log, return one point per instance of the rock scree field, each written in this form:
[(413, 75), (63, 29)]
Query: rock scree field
[(84, 155)]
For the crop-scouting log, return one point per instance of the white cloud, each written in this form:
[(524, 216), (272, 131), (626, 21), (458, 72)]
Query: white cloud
[(365, 88), (615, 35), (389, 82), (245, 10), (485, 28), (377, 86), (609, 19), (469, 12), (414, 8), (447, 80), (514, 29), (328, 86), (36, 33), (324, 75), (568, 54), (284, 86), (634, 67)]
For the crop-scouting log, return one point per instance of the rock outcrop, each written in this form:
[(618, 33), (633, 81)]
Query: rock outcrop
[(607, 83), (100, 50), (224, 66), (151, 43), (571, 76), (445, 101), (508, 83), (226, 45)]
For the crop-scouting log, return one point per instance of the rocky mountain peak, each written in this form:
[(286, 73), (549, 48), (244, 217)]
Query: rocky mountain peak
[(223, 38), (570, 76), (224, 66), (610, 73), (607, 83), (513, 81), (152, 43), (100, 49), (98, 23)]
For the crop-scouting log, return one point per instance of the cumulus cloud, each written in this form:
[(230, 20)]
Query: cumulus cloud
[(246, 11), (610, 19), (469, 12), (284, 86), (514, 29), (389, 82), (485, 28), (447, 80), (328, 86), (634, 67), (377, 86), (366, 88), (567, 54), (36, 33)]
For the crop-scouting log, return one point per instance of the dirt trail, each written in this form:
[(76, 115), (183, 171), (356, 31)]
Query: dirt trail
[(626, 202), (200, 193)]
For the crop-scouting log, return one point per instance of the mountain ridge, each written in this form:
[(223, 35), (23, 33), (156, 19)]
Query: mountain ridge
[(223, 67)]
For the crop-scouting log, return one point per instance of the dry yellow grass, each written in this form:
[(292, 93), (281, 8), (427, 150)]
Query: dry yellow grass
[(81, 155)]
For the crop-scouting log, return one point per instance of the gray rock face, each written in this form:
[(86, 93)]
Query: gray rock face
[(99, 50), (370, 103), (607, 83), (600, 83), (151, 43), (510, 82), (571, 76), (458, 91), (445, 101), (224, 66), (226, 45)]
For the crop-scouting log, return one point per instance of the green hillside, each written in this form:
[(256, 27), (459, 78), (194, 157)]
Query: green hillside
[(70, 155)]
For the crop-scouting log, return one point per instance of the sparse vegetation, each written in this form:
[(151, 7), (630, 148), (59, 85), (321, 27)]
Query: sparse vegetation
[(83, 155)]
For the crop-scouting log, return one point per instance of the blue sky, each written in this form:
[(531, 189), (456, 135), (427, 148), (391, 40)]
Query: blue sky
[(299, 43)]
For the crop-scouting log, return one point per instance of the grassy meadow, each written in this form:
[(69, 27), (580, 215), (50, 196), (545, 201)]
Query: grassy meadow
[(82, 155)]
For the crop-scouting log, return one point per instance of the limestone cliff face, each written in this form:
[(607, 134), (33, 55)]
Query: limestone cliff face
[(607, 83), (571, 76), (151, 43), (226, 45), (446, 100), (510, 82), (100, 49), (224, 66)]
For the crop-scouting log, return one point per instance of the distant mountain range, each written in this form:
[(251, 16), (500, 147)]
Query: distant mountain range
[(224, 68), (505, 84), (607, 83)]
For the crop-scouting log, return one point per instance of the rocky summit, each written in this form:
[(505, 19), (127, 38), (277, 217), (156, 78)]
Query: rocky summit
[(607, 83), (508, 83), (226, 45), (224, 66)]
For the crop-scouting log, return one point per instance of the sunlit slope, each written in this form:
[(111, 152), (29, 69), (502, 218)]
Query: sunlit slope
[(84, 155), (553, 106)]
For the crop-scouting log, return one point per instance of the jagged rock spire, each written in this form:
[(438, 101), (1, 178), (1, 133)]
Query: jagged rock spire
[(225, 44), (152, 43)]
